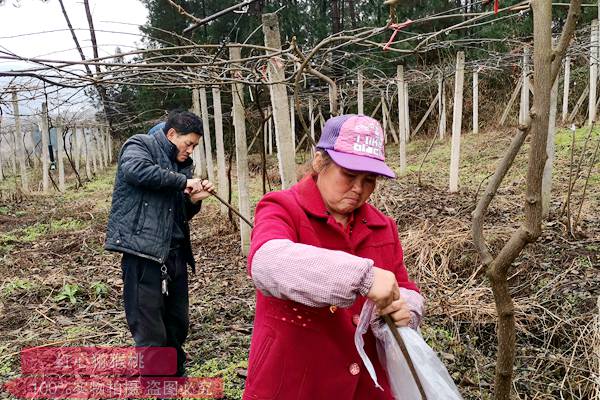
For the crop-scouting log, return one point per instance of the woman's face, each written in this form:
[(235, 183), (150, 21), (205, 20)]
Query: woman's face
[(343, 190)]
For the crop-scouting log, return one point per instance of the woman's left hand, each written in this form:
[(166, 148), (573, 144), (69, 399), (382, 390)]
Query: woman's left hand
[(399, 312)]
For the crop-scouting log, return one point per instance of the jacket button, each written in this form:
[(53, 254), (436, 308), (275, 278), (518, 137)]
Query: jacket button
[(169, 210), (354, 369), (332, 309), (118, 241), (355, 319), (146, 204)]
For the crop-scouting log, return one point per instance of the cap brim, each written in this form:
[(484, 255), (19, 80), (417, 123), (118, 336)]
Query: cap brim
[(361, 163)]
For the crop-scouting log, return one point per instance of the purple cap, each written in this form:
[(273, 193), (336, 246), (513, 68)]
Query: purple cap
[(355, 142)]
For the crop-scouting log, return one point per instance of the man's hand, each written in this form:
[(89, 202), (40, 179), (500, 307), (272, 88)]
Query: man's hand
[(193, 185), (384, 289), (201, 191)]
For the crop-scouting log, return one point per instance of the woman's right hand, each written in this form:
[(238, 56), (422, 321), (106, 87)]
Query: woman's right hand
[(384, 289)]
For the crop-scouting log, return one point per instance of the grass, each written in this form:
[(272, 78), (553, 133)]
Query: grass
[(227, 370), (16, 285), (34, 232)]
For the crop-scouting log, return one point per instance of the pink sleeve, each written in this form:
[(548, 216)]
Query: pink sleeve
[(310, 275), (415, 304)]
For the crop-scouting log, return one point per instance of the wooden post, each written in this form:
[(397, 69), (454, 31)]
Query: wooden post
[(401, 117), (45, 154), (434, 102), (383, 116), (281, 116), (100, 147), (75, 148), (524, 108), (361, 106), (1, 167), (293, 123), (110, 143), (579, 103), (566, 84), (311, 116), (593, 72), (19, 146), (33, 156), (88, 152), (207, 141), (547, 176), (441, 106), (241, 152), (475, 100), (390, 125), (406, 113), (221, 166), (271, 123), (512, 99), (332, 102), (198, 154), (60, 155), (103, 133), (93, 150), (457, 120), (321, 119)]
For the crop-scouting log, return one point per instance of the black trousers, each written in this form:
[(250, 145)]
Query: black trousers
[(155, 319)]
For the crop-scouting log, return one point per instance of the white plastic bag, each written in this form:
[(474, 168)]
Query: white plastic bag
[(434, 377)]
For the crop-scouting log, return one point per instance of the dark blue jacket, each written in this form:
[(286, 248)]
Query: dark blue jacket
[(157, 128), (148, 188)]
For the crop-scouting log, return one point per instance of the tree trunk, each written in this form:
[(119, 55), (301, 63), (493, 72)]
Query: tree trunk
[(352, 12), (546, 66), (335, 16)]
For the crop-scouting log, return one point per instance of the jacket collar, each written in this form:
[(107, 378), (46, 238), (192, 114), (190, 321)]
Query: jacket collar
[(170, 149), (309, 198)]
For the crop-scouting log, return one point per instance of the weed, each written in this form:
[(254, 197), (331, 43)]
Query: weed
[(6, 362), (227, 370), (66, 225), (34, 232), (100, 289), (16, 285), (77, 331), (68, 292)]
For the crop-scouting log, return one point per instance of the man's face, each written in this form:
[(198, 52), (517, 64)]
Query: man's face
[(185, 143)]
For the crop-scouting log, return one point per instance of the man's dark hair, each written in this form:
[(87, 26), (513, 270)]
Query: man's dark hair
[(184, 122)]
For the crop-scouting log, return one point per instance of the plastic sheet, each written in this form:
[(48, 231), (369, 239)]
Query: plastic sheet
[(433, 375)]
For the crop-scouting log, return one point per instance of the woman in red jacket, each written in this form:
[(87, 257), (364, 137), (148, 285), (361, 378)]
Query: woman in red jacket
[(318, 252)]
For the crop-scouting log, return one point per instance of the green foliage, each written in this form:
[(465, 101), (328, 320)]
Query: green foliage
[(68, 292), (16, 285), (99, 289), (6, 362), (227, 370)]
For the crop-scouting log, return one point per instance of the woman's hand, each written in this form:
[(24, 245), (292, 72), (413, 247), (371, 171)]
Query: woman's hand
[(399, 312), (384, 289)]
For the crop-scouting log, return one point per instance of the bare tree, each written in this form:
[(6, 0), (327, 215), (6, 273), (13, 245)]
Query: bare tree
[(547, 62), (99, 87)]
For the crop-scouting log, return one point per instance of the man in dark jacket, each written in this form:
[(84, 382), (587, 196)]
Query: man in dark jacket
[(153, 199)]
